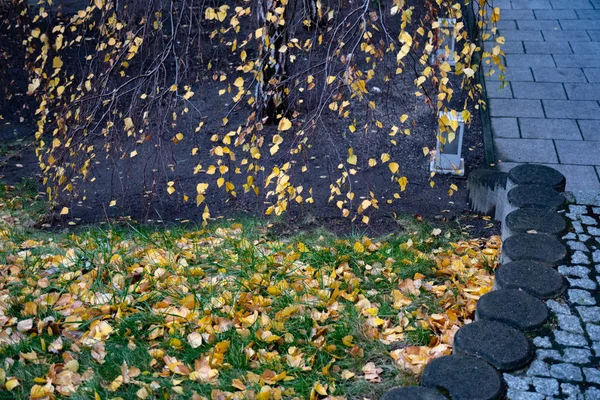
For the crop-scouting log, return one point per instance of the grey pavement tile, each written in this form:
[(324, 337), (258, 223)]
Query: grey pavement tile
[(496, 91), (594, 34), (519, 14), (579, 25), (590, 129), (548, 74), (578, 109), (516, 108), (546, 386), (539, 128), (529, 60), (552, 14), (503, 4), (538, 24), (506, 24), (516, 35), (530, 5), (577, 356), (505, 127), (577, 60), (569, 323), (565, 36), (583, 91), (514, 74), (592, 74), (589, 48), (515, 47), (579, 177), (566, 372), (546, 48), (513, 394), (525, 150), (578, 152), (588, 14), (538, 90), (571, 5)]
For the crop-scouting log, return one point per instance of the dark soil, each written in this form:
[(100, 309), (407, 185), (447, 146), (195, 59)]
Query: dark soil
[(139, 184)]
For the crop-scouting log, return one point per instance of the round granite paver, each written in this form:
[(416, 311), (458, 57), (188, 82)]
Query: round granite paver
[(505, 347), (464, 377), (513, 307), (534, 246), (532, 174), (534, 277), (535, 196), (538, 219), (412, 393), (487, 177)]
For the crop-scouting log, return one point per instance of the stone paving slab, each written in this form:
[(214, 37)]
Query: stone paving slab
[(505, 128), (559, 75), (539, 47), (526, 150), (573, 109), (589, 129), (578, 152), (516, 108), (583, 91), (539, 90), (549, 128)]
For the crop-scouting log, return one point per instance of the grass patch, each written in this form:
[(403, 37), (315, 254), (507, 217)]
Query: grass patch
[(229, 311)]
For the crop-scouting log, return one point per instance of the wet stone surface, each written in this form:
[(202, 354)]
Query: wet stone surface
[(464, 378), (513, 307), (567, 358), (527, 174), (534, 277), (504, 347), (536, 196), (413, 393), (534, 246), (537, 219)]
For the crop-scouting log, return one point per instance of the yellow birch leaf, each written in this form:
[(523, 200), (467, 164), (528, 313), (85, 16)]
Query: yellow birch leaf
[(284, 124)]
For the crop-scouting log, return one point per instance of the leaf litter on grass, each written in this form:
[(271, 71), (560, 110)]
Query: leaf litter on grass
[(230, 311)]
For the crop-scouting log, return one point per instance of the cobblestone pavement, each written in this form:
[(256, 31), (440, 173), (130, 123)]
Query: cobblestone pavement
[(567, 359), (549, 111)]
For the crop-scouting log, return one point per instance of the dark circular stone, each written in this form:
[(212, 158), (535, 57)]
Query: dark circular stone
[(412, 393), (539, 219), (488, 178), (464, 377), (513, 307), (535, 196), (534, 277), (504, 347), (532, 174), (534, 246)]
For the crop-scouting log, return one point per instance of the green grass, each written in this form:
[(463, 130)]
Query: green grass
[(279, 317)]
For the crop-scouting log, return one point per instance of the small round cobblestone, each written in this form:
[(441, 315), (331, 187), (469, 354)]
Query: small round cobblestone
[(527, 174), (537, 219), (504, 347), (513, 307), (537, 196), (534, 246), (464, 377), (413, 393), (534, 277)]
